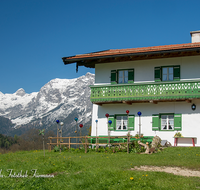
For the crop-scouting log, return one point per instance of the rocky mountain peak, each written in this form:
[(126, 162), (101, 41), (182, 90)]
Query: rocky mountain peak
[(88, 74), (20, 92), (58, 99)]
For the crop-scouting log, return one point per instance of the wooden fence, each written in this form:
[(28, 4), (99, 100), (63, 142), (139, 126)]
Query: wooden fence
[(86, 141)]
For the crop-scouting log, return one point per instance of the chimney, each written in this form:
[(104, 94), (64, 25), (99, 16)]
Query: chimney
[(195, 36)]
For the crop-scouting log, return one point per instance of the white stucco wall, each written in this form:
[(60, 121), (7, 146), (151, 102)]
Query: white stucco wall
[(190, 119), (144, 69)]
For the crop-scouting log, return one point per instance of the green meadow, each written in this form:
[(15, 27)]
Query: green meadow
[(97, 170)]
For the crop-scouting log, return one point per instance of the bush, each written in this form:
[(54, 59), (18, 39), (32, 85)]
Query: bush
[(30, 140), (136, 148), (178, 135), (56, 148)]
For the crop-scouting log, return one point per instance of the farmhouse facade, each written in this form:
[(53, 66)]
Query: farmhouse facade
[(161, 82)]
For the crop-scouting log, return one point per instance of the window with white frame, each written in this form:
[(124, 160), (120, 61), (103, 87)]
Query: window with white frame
[(167, 73), (167, 122), (121, 123)]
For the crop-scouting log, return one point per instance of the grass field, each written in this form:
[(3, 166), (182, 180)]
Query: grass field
[(76, 170)]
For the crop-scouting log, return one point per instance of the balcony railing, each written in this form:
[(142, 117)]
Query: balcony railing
[(157, 91)]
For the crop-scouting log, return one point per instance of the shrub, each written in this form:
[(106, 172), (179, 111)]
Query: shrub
[(136, 148), (178, 135), (56, 148)]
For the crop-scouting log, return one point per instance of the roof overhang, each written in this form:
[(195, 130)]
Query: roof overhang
[(89, 60)]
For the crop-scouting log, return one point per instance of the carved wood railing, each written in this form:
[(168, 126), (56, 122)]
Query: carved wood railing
[(175, 90)]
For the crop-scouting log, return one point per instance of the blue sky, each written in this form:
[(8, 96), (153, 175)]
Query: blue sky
[(36, 34)]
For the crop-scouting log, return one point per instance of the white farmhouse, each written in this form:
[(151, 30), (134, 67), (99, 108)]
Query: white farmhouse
[(161, 82)]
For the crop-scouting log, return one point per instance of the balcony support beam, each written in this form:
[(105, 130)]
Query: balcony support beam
[(153, 101), (189, 100), (127, 102)]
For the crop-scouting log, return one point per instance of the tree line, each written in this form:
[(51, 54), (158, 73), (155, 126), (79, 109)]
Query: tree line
[(30, 140)]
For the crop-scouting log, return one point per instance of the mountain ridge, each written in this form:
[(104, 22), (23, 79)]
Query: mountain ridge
[(58, 99)]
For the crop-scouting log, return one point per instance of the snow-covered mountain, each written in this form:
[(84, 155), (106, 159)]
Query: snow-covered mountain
[(61, 99)]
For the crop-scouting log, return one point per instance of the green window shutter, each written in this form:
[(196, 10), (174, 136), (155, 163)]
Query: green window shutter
[(130, 75), (177, 122), (111, 127), (157, 74), (131, 122), (177, 72), (113, 77), (155, 122)]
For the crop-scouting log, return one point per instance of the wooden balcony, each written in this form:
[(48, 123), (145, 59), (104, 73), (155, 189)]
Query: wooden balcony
[(145, 92)]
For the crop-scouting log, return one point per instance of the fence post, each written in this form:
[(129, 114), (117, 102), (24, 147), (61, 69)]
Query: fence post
[(60, 144), (96, 143), (128, 143), (85, 144), (69, 143), (50, 144)]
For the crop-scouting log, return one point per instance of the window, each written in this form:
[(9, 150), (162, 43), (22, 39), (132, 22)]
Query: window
[(171, 73), (167, 122), (167, 73), (122, 76), (121, 122)]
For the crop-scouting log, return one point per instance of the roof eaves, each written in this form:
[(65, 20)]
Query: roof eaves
[(130, 52)]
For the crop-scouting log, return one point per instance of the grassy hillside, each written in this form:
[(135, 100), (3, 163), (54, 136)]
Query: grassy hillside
[(77, 170)]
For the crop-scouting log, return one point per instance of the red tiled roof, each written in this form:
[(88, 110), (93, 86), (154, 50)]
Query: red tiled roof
[(134, 50)]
